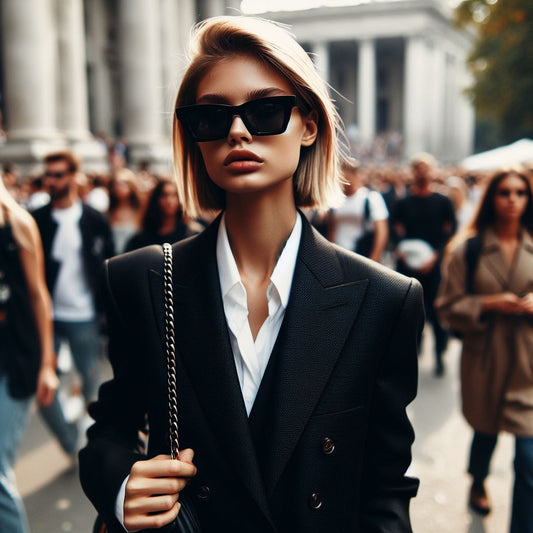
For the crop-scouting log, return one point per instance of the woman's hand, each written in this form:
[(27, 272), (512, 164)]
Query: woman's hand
[(506, 303), (152, 490), (527, 302), (47, 385)]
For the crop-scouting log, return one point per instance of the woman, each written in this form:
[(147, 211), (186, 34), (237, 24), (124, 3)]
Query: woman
[(296, 358), (495, 317), (27, 360), (124, 213), (163, 219)]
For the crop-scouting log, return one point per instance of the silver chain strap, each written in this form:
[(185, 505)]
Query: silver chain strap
[(170, 347)]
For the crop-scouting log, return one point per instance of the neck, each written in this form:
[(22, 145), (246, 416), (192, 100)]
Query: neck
[(507, 231), (66, 201), (421, 190), (258, 231)]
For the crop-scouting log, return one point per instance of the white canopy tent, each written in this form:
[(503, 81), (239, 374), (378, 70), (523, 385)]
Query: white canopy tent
[(517, 153)]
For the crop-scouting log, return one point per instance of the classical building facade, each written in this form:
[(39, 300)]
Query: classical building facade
[(73, 71)]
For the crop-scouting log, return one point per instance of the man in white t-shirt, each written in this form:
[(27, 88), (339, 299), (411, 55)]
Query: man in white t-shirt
[(360, 223), (76, 241)]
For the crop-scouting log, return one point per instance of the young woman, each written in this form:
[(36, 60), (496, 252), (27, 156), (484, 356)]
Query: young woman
[(124, 212), (296, 358), (495, 316), (163, 219), (27, 360)]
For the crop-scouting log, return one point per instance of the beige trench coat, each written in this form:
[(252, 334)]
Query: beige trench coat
[(497, 355)]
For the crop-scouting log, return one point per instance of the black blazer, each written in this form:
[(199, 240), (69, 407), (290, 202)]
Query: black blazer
[(335, 437), (97, 246)]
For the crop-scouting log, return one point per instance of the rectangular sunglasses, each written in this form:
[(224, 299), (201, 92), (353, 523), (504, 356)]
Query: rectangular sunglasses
[(264, 116)]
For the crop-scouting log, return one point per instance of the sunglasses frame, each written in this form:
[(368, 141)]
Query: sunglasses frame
[(184, 114)]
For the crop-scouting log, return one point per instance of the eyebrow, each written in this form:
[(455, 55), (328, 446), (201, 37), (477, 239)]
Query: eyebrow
[(252, 95)]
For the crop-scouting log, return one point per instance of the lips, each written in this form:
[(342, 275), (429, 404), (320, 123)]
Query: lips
[(241, 155)]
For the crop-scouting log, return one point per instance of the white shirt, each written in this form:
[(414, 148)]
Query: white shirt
[(354, 206), (251, 358), (72, 298)]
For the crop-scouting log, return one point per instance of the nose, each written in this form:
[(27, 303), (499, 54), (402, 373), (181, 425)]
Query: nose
[(238, 131)]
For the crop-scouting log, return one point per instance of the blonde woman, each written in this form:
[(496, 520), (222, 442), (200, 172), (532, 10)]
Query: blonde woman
[(27, 360), (296, 358)]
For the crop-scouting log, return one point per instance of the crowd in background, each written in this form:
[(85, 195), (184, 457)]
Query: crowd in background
[(402, 215)]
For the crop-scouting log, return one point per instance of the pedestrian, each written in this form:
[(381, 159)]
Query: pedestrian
[(494, 313), (361, 223), (296, 359), (125, 210), (422, 224), (163, 219), (76, 240), (27, 360)]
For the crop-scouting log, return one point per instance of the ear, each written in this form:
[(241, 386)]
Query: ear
[(310, 132)]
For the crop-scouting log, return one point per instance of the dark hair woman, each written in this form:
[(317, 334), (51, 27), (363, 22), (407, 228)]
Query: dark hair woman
[(487, 295), (163, 219)]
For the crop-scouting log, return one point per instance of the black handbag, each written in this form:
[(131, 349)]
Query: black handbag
[(187, 519)]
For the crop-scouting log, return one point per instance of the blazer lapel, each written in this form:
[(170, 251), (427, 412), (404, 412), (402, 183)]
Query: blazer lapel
[(203, 343), (321, 311)]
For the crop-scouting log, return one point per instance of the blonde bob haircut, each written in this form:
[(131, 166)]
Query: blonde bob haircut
[(317, 180)]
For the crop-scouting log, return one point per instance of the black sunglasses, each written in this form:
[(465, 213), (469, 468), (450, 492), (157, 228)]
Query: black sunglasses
[(56, 175), (264, 116), (506, 193)]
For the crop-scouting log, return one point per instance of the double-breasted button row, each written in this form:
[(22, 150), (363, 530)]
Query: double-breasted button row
[(315, 501), (204, 493), (328, 446)]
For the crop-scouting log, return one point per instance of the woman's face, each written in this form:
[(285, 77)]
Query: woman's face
[(510, 199), (168, 200), (121, 189), (242, 163)]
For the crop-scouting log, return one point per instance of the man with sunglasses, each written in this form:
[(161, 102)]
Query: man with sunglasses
[(76, 240)]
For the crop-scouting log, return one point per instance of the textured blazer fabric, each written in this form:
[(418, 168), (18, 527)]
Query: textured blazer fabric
[(328, 440)]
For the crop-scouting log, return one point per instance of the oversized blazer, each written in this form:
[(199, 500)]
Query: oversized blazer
[(328, 440)]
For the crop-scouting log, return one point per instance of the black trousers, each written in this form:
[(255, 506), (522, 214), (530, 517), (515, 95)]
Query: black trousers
[(481, 452)]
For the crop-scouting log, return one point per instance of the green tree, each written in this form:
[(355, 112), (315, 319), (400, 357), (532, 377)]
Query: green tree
[(501, 62)]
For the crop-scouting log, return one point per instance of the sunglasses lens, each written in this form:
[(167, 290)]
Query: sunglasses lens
[(266, 117), (208, 122)]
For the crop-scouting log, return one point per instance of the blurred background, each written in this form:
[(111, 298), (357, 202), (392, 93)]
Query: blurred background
[(98, 77)]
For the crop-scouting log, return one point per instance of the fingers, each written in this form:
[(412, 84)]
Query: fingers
[(152, 490), (135, 522), (163, 466)]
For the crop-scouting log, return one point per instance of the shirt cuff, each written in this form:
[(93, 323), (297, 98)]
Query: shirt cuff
[(119, 505)]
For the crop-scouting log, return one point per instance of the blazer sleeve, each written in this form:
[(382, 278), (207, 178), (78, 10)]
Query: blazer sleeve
[(458, 310), (119, 414), (385, 489)]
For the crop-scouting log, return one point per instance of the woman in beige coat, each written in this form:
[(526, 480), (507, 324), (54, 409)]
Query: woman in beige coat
[(495, 318)]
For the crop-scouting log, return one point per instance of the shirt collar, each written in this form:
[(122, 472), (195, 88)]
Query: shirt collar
[(283, 272)]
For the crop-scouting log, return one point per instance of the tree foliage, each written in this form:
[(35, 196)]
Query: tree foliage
[(501, 62)]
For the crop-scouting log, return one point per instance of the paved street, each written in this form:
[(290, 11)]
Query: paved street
[(56, 504)]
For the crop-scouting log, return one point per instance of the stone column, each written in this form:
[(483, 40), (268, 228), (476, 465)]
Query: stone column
[(73, 111), (366, 90), (28, 43), (415, 97), (141, 78), (465, 114), (100, 57), (320, 55), (177, 21), (437, 89)]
